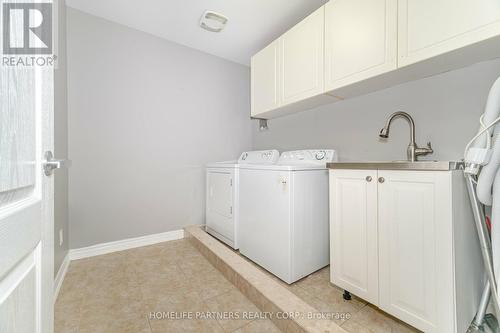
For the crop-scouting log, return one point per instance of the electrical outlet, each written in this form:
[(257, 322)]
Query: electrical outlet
[(61, 237)]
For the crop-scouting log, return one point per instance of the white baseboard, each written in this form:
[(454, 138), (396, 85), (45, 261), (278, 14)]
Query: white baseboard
[(61, 273), (105, 248), (124, 244)]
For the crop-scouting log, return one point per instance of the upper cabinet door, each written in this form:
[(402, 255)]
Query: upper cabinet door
[(428, 28), (265, 79), (353, 232), (360, 40), (302, 59)]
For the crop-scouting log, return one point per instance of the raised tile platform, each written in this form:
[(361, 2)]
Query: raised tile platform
[(265, 292)]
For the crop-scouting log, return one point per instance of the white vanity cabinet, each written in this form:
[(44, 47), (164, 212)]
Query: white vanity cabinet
[(415, 226), (428, 28), (353, 232), (405, 241), (360, 40)]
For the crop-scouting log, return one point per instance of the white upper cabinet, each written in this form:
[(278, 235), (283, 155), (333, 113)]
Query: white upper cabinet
[(287, 74), (360, 40), (265, 79), (352, 47), (302, 62), (428, 28)]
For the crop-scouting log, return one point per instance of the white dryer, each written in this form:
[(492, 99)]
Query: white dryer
[(222, 196), (284, 213)]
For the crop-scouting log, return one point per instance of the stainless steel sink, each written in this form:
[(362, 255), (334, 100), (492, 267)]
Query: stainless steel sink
[(399, 165)]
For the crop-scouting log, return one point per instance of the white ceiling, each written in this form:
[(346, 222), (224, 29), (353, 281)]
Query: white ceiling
[(252, 23)]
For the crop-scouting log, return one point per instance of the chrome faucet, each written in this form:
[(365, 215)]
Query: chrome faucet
[(413, 150)]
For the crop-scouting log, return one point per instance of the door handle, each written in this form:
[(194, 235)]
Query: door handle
[(51, 163)]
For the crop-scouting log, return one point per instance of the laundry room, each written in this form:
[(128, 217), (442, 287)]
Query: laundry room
[(249, 166)]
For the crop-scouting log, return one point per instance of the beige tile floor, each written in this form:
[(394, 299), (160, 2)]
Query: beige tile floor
[(117, 293), (135, 291), (355, 316)]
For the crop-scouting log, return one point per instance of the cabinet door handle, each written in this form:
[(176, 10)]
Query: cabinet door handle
[(368, 178), (381, 180)]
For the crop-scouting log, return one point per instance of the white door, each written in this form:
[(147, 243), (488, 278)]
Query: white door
[(26, 201), (409, 256), (302, 59), (428, 28), (353, 232), (265, 80), (220, 203), (360, 40)]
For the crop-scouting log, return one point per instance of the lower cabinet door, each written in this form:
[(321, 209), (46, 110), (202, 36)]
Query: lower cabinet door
[(414, 258), (353, 232)]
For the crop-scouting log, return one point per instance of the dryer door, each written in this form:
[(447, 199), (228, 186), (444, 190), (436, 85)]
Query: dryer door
[(219, 208)]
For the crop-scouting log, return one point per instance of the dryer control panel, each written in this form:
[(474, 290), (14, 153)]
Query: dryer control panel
[(310, 156), (259, 157)]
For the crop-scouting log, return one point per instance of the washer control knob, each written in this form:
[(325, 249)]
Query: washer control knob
[(320, 155), (381, 180), (368, 178)]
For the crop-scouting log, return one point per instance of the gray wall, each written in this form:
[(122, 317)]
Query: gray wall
[(446, 109), (145, 116), (61, 142)]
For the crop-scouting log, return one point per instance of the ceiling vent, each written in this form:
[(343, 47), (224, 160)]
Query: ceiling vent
[(213, 21)]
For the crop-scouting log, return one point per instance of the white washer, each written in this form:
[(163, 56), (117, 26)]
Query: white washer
[(284, 213), (222, 197)]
